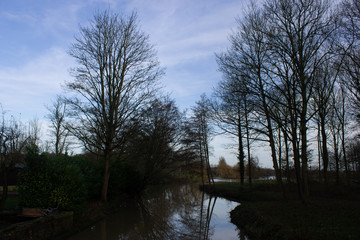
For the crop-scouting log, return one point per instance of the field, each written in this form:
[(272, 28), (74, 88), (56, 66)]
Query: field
[(333, 212)]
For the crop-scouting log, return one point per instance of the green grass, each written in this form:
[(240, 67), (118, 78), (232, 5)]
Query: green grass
[(318, 220), (12, 203), (332, 213)]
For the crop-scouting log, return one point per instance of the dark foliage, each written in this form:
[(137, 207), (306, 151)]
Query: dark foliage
[(51, 182), (124, 178), (154, 138)]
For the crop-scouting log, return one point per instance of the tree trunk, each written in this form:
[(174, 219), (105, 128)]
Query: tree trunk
[(270, 134), (337, 160), (294, 137), (325, 154), (57, 140), (201, 159), (304, 155), (280, 152), (288, 176), (344, 153), (248, 144), (208, 167), (106, 178), (297, 165), (273, 155), (241, 155), (319, 148), (342, 122)]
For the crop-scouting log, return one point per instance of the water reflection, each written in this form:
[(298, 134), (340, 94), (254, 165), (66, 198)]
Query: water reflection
[(206, 227), (174, 212)]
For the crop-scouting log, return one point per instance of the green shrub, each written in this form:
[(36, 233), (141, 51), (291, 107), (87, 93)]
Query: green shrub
[(124, 179), (51, 182), (92, 172)]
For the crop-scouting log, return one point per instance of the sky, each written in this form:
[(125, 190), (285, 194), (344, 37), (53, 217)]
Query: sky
[(35, 37)]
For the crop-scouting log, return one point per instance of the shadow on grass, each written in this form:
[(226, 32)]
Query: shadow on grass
[(333, 212)]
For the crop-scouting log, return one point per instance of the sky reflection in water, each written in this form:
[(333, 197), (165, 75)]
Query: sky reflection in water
[(174, 212)]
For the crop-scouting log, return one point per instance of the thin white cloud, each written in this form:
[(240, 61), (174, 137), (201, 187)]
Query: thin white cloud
[(26, 89), (52, 19), (56, 19), (186, 34), (184, 30), (19, 17), (201, 45)]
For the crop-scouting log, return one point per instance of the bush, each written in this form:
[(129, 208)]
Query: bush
[(92, 172), (51, 182), (124, 179)]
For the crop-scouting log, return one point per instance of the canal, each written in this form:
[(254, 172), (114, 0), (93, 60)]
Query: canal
[(171, 212)]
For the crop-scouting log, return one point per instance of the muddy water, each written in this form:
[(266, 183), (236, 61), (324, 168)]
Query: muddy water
[(171, 212)]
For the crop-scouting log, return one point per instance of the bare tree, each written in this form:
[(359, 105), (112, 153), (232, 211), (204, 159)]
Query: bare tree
[(337, 126), (247, 59), (117, 73), (349, 18), (228, 110), (232, 105), (202, 128), (323, 91), (154, 139), (297, 35), (57, 114), (342, 117), (34, 132), (280, 48), (12, 143)]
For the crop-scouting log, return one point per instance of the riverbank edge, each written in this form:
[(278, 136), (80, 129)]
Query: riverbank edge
[(254, 225), (330, 214)]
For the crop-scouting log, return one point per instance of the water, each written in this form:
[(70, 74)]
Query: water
[(172, 212)]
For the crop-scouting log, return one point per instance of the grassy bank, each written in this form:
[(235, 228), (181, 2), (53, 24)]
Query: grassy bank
[(332, 213)]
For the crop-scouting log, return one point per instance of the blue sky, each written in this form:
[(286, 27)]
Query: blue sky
[(36, 35)]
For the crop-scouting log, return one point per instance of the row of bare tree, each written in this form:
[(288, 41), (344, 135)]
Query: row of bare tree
[(291, 73), (113, 106), (292, 66), (114, 109), (15, 136)]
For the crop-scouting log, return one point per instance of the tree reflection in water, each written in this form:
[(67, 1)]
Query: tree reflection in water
[(174, 212), (179, 213), (195, 222)]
